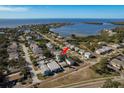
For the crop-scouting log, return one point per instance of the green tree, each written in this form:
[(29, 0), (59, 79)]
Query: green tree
[(102, 68), (34, 63), (47, 53), (13, 63), (73, 35), (25, 72), (111, 84)]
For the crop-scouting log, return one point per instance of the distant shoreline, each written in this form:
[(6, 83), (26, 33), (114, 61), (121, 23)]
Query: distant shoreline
[(79, 26), (118, 23), (94, 23)]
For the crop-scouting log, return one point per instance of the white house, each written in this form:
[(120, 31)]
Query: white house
[(72, 47), (76, 49), (103, 50), (88, 55), (49, 45), (116, 46), (81, 51), (69, 61)]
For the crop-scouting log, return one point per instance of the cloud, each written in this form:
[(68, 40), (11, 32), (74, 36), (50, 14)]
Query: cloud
[(12, 9)]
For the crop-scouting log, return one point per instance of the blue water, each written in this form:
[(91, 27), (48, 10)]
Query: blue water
[(82, 29), (78, 28)]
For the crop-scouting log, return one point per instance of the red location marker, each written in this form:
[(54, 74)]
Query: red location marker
[(64, 51)]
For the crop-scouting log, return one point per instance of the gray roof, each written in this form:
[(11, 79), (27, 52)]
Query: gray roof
[(12, 51), (120, 58), (63, 64), (35, 48), (44, 69), (104, 49), (117, 62), (2, 33), (53, 65)]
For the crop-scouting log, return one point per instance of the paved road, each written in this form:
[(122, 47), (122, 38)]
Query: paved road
[(30, 65)]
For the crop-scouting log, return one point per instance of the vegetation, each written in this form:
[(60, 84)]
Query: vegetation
[(101, 67), (91, 42), (117, 23), (35, 63), (47, 53), (111, 84), (42, 42), (73, 35), (94, 23), (41, 77), (25, 72)]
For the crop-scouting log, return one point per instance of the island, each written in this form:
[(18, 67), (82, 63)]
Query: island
[(94, 23), (117, 23)]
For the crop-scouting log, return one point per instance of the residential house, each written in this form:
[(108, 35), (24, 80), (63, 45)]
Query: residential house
[(102, 43), (36, 49), (12, 51), (53, 66), (69, 61), (88, 55), (116, 46), (76, 49), (63, 64), (44, 69), (103, 50), (81, 51), (116, 63), (28, 37), (110, 32), (49, 45), (72, 47)]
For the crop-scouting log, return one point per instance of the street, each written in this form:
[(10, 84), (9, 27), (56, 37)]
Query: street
[(30, 65)]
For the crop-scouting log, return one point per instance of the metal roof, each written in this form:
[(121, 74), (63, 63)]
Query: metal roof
[(53, 65)]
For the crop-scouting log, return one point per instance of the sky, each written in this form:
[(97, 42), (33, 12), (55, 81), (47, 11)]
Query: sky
[(61, 11)]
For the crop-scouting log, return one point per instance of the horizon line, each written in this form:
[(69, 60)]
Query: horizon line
[(61, 18)]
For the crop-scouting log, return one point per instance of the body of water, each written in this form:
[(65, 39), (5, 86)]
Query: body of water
[(78, 27)]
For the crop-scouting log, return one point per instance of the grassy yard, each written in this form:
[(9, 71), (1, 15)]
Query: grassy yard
[(41, 77)]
